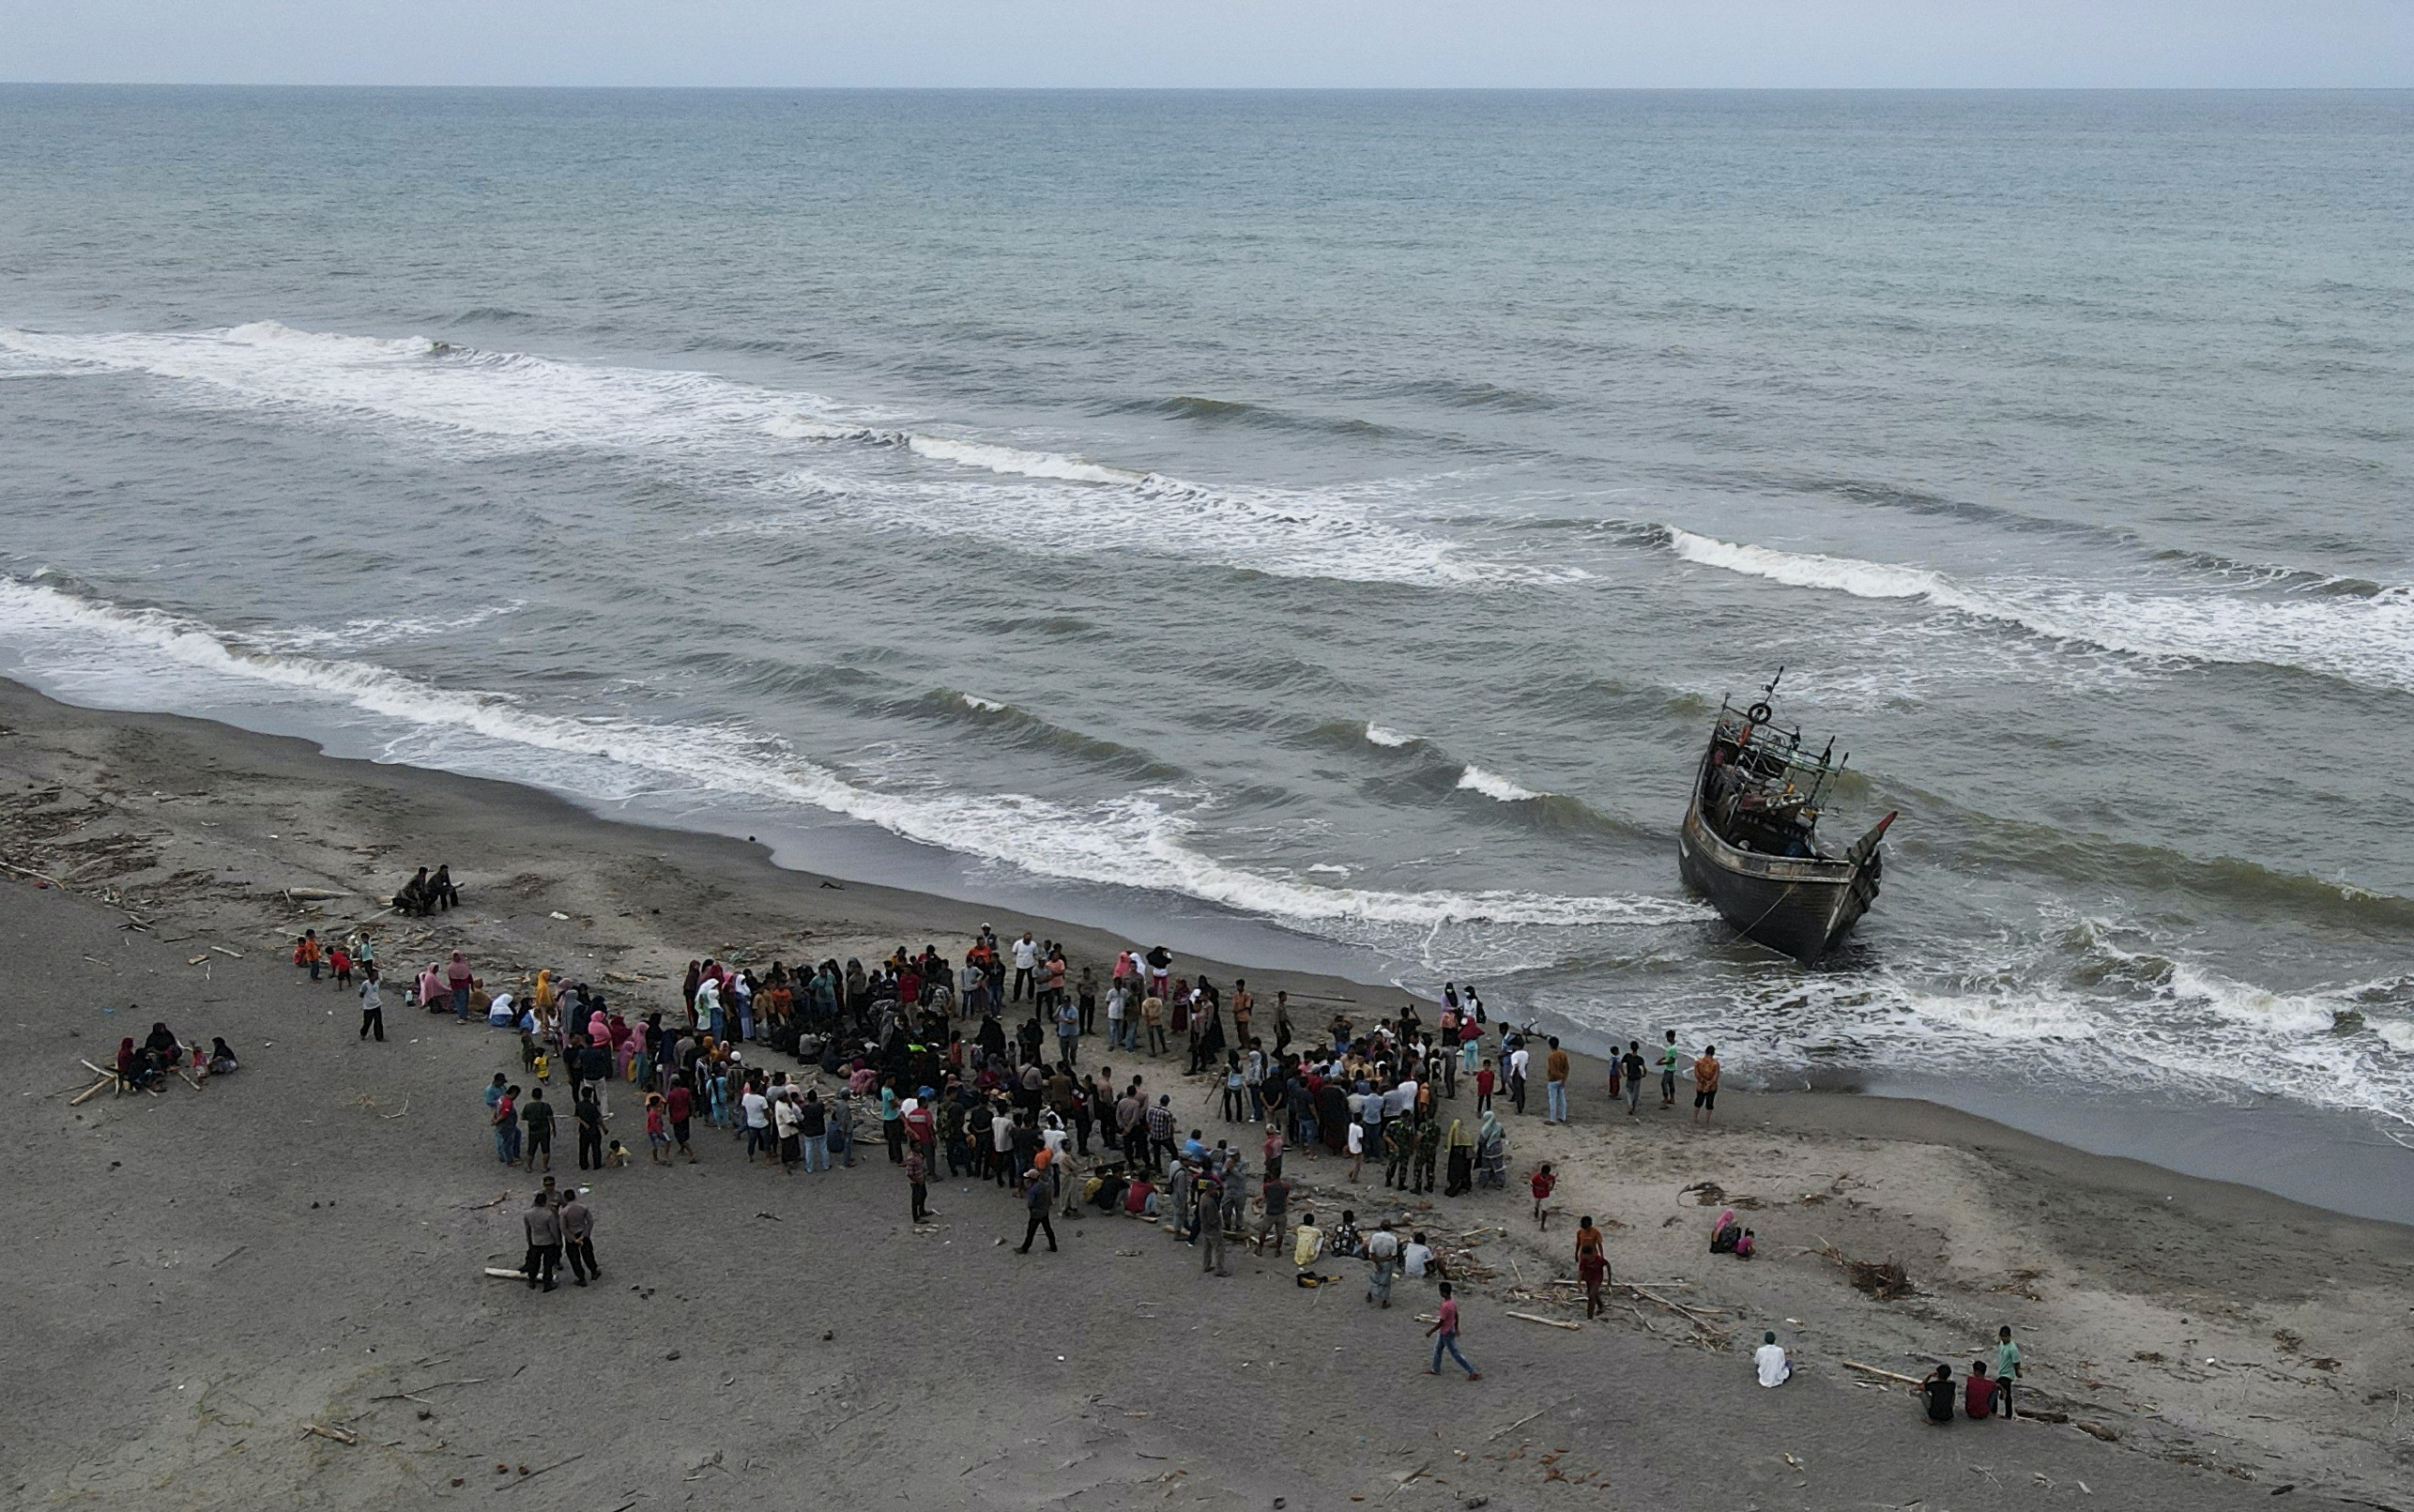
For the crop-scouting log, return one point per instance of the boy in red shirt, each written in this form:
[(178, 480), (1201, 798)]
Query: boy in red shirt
[(1485, 1080), (1543, 1183)]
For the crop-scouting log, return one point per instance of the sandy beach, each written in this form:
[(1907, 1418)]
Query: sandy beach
[(208, 1276)]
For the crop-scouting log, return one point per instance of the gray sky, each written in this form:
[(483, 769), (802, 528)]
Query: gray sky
[(1604, 43)]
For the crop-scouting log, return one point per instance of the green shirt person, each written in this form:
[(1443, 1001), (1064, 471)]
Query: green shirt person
[(2006, 1367)]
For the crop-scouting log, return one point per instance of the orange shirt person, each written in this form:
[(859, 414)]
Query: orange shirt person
[(1705, 1084)]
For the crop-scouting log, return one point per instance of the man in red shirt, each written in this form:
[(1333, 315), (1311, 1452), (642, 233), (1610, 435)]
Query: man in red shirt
[(1444, 1333), (682, 1105)]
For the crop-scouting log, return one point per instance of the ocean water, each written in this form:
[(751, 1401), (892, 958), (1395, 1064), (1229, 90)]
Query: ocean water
[(1317, 524)]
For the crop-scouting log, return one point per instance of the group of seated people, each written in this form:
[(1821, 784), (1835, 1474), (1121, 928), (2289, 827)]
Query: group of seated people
[(145, 1067), (424, 895)]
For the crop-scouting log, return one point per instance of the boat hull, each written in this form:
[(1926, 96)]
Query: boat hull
[(1802, 907)]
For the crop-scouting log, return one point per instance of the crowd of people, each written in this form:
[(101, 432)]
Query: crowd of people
[(919, 1066), (915, 1062)]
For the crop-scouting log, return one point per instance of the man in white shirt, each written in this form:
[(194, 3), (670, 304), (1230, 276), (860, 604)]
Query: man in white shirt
[(1415, 1257), (1518, 1060), (1770, 1361), (1115, 1015), (1026, 962), (759, 1123), (786, 1120)]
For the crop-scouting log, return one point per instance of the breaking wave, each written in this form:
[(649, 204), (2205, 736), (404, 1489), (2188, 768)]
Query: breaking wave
[(2356, 638), (1135, 840)]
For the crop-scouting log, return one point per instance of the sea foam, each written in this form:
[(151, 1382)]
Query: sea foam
[(107, 654), (2363, 638)]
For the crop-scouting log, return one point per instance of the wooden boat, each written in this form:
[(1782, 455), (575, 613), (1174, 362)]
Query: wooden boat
[(1751, 842)]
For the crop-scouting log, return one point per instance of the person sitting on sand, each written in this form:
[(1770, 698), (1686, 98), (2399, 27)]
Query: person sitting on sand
[(221, 1057), (442, 894), (1978, 1392), (133, 1074), (162, 1046), (1939, 1390), (1769, 1360), (1307, 1244)]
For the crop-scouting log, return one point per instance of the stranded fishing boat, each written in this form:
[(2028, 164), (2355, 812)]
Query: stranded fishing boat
[(1750, 841)]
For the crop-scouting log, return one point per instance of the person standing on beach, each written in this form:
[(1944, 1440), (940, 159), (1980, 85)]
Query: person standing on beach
[(1026, 968), (537, 1116), (1518, 1059), (588, 1113), (1633, 1064), (578, 1239), (1591, 1265), (458, 980), (372, 1005), (2007, 1370), (544, 1228), (917, 1173), (505, 1121), (1382, 1260), (1706, 1085), (1555, 1083), (1444, 1333), (1668, 1059)]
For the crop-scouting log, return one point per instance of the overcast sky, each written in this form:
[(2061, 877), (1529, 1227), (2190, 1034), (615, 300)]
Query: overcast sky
[(1595, 43)]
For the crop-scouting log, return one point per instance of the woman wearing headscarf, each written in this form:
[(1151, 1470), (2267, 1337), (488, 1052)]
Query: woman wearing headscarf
[(1461, 1146), (1333, 1117), (221, 1057), (708, 1007), (1492, 1152)]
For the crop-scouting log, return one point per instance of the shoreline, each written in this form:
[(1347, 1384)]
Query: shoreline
[(2323, 1162), (2118, 1274)]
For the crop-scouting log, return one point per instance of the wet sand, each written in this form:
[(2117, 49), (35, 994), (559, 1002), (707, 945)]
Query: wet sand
[(204, 1272)]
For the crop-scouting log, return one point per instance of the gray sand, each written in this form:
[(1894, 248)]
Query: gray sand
[(204, 1272)]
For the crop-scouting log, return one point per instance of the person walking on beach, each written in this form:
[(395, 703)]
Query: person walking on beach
[(1542, 1185), (1706, 1085), (1444, 1333), (680, 1104), (657, 1129), (1518, 1059), (1036, 1200), (1555, 1083), (544, 1228), (578, 1239), (372, 1005), (1592, 1266)]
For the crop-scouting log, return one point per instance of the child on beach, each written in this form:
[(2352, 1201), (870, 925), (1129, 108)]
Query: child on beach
[(657, 1129), (1542, 1183), (1485, 1081)]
